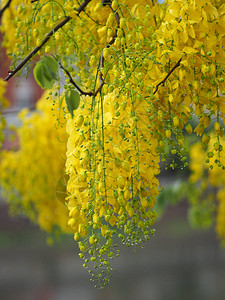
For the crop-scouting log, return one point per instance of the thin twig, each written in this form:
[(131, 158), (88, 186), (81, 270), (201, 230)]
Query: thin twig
[(72, 81), (101, 84), (45, 40), (4, 8), (169, 73), (82, 6)]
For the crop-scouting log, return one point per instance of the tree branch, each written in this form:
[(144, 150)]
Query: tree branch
[(4, 8), (45, 40), (82, 6), (169, 73), (72, 81)]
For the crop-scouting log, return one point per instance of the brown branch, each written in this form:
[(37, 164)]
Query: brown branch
[(72, 81), (82, 6), (45, 40), (169, 73), (101, 84), (106, 2), (4, 8)]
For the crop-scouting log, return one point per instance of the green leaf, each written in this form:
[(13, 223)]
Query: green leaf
[(42, 77), (52, 65), (72, 100), (45, 72)]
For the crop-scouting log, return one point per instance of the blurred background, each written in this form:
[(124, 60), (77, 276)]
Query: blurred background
[(177, 263)]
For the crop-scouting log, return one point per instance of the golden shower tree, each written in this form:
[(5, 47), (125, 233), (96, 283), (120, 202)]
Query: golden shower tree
[(127, 77)]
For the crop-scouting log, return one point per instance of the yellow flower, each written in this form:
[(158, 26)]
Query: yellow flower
[(32, 175)]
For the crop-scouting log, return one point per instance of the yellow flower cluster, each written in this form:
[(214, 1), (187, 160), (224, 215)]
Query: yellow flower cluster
[(194, 31), (150, 68), (31, 175), (112, 163), (205, 169)]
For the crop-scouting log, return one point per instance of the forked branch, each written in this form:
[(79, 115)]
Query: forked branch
[(169, 73), (72, 81)]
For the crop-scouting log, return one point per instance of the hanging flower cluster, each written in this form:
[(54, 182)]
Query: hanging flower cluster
[(112, 163), (31, 176)]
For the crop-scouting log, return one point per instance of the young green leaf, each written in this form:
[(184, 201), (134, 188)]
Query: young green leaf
[(45, 72), (72, 100), (51, 65), (42, 76)]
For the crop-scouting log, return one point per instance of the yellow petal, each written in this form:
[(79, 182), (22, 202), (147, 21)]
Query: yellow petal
[(189, 50)]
